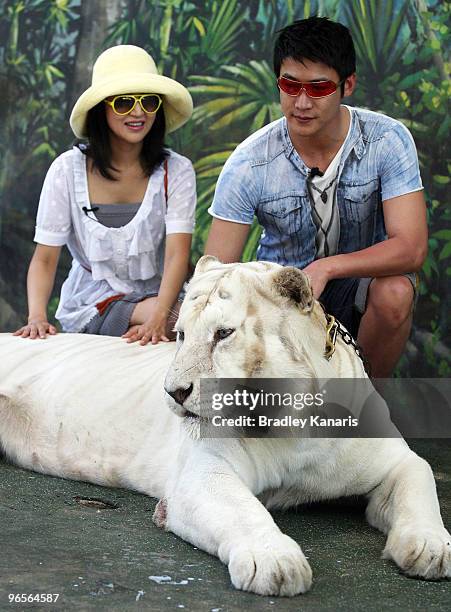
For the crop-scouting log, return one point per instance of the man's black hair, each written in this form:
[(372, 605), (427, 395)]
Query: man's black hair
[(319, 40), (152, 153)]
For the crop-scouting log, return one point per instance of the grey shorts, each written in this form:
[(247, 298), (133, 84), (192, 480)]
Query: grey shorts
[(346, 298), (115, 318)]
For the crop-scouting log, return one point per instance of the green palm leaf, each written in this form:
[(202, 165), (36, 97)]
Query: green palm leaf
[(212, 108), (250, 91), (377, 30), (238, 114), (209, 166), (223, 30)]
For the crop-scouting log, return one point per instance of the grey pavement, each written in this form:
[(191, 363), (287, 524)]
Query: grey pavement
[(108, 555)]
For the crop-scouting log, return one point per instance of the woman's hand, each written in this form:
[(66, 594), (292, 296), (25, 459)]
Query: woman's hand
[(37, 327), (41, 275), (153, 330), (149, 320)]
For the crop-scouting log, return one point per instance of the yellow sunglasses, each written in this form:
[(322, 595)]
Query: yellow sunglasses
[(124, 104)]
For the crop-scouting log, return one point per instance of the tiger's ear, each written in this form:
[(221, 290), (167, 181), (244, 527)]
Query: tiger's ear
[(295, 285), (205, 263)]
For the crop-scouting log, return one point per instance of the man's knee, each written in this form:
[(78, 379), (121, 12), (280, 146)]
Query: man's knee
[(391, 299)]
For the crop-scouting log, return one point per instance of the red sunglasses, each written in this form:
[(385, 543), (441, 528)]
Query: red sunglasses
[(314, 89)]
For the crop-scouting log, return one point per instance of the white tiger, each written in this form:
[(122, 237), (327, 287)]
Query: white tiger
[(94, 408)]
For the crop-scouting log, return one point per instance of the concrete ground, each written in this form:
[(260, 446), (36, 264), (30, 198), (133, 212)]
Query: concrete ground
[(114, 558)]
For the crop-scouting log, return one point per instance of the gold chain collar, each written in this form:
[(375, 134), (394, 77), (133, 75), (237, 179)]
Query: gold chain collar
[(333, 328), (331, 336)]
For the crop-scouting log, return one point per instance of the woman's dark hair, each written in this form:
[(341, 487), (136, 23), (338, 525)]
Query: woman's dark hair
[(98, 149), (319, 40)]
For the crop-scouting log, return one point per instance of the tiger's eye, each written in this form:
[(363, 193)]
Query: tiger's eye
[(223, 333)]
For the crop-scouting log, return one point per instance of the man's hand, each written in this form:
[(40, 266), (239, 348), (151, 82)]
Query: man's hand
[(37, 327), (319, 275), (153, 330)]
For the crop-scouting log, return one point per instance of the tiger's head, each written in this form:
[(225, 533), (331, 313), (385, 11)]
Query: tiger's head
[(245, 320)]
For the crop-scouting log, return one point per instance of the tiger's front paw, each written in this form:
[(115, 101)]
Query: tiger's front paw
[(276, 566), (421, 551)]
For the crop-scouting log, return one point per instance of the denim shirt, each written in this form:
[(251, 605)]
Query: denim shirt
[(265, 177)]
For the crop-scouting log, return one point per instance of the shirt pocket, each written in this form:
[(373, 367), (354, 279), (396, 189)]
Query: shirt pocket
[(283, 216), (361, 201)]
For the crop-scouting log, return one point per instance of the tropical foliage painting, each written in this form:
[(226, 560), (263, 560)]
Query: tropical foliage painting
[(221, 50)]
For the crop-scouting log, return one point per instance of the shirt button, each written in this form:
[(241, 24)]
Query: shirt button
[(119, 251)]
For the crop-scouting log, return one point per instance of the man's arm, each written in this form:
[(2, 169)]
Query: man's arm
[(236, 197), (226, 240), (404, 250)]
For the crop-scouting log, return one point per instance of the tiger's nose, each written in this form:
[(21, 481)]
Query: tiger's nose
[(180, 395)]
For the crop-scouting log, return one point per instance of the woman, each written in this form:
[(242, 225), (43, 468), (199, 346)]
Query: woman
[(123, 204)]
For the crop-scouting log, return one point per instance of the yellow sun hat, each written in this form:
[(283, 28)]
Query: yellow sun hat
[(128, 69)]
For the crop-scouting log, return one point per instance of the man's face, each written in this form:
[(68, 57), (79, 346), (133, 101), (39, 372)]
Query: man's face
[(307, 116)]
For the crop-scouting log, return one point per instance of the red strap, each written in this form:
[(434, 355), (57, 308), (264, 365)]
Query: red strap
[(102, 306), (166, 181)]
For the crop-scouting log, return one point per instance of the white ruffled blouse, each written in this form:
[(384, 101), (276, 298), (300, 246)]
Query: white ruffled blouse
[(107, 260)]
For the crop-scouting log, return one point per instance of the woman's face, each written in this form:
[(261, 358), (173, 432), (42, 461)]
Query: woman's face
[(131, 128)]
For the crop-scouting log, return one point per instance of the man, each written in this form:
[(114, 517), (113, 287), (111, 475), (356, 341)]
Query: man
[(337, 191)]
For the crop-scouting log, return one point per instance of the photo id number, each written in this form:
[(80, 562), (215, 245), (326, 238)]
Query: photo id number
[(33, 597)]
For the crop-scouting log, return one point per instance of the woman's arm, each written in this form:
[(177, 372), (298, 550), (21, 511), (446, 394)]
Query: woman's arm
[(149, 319), (176, 260), (40, 279)]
